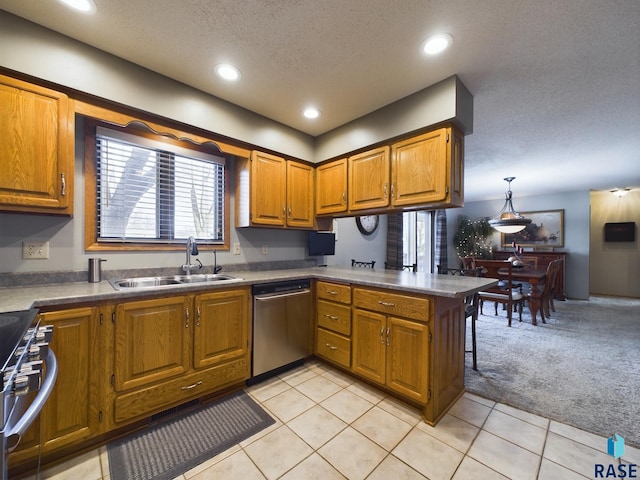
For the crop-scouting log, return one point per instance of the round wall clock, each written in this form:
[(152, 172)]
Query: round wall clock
[(367, 224)]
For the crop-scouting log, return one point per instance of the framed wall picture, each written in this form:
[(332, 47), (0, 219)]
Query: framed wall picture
[(546, 230)]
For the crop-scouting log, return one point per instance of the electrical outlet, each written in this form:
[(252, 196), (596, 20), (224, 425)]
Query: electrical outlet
[(35, 250), (265, 249), (236, 249)]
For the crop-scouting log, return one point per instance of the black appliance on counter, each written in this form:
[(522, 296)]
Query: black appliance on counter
[(24, 357)]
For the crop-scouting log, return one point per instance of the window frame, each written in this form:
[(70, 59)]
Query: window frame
[(139, 128)]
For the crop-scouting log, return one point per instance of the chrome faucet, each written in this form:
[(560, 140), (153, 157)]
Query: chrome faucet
[(192, 249)]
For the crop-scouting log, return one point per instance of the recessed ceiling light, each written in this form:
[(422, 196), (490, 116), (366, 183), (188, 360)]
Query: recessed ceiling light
[(311, 112), (85, 6), (437, 44), (228, 72)]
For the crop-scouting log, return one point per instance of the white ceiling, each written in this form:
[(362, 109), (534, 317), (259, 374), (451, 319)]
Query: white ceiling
[(556, 83)]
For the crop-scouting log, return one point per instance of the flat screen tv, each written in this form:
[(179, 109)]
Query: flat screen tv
[(322, 243), (620, 232)]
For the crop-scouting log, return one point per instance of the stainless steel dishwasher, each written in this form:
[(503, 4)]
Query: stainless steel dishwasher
[(281, 326)]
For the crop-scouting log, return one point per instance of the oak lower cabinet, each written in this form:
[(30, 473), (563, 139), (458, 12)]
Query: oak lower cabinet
[(36, 148), (333, 321), (73, 412), (171, 350), (413, 345), (388, 349)]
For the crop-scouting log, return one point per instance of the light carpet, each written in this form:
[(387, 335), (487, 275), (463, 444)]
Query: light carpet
[(581, 368)]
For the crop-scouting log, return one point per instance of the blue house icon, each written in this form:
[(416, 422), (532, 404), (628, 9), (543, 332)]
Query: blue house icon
[(615, 446)]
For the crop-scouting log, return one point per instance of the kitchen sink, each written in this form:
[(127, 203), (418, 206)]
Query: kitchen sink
[(151, 282), (203, 277)]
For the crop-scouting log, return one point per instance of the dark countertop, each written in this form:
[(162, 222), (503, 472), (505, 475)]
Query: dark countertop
[(68, 294)]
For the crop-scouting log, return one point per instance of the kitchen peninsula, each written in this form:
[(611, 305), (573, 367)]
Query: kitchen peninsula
[(401, 331)]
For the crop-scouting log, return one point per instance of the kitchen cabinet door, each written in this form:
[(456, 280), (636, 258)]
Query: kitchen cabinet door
[(71, 414), (419, 168), (369, 345), (152, 341), (407, 360), (300, 195), (369, 179), (221, 329), (268, 189), (331, 187), (36, 149)]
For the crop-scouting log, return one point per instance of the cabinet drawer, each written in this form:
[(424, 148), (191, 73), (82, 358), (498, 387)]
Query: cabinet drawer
[(154, 399), (416, 308), (334, 316), (334, 347), (334, 292)]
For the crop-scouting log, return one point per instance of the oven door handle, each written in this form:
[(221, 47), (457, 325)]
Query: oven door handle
[(34, 409)]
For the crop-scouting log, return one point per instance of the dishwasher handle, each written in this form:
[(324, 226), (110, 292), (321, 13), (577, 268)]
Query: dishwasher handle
[(270, 296)]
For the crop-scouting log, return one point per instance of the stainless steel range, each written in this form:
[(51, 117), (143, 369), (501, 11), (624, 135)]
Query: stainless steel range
[(24, 357)]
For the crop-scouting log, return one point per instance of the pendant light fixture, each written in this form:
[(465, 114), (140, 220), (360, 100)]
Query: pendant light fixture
[(508, 220)]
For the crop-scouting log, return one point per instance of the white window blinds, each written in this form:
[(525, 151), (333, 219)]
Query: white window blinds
[(150, 191)]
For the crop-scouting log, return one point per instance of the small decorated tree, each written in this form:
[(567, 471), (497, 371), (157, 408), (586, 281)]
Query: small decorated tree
[(472, 238)]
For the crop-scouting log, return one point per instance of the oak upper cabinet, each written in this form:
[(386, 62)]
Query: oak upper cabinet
[(36, 148), (72, 412), (268, 189), (274, 192), (428, 170), (331, 187), (369, 179), (391, 341), (300, 195)]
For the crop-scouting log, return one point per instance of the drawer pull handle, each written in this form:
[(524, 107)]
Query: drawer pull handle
[(331, 347), (331, 317), (191, 387), (386, 304), (381, 334), (388, 340), (332, 292)]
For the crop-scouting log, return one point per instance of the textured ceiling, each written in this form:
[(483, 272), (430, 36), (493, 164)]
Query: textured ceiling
[(556, 83)]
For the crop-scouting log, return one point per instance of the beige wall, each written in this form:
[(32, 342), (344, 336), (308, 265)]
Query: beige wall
[(614, 267)]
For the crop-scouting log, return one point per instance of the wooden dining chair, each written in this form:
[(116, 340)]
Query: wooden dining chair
[(408, 268), (546, 295), (468, 263), (556, 288), (506, 292), (359, 263), (470, 305)]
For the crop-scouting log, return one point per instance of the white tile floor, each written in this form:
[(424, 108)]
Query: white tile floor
[(331, 426)]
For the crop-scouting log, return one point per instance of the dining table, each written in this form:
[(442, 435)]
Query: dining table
[(534, 277)]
